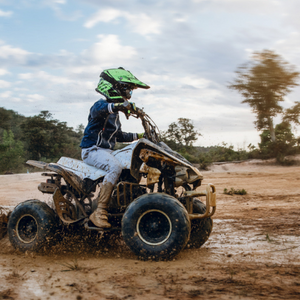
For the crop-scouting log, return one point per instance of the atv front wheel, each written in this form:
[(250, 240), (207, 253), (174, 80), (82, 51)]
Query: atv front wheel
[(156, 226), (201, 228), (31, 225)]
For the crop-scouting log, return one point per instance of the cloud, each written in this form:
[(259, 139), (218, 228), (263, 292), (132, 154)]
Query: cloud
[(248, 6), (108, 52), (44, 76), (184, 11), (195, 81), (5, 13), (143, 24), (105, 15), (4, 72), (187, 51), (75, 69), (4, 84), (54, 2), (15, 56), (58, 5), (10, 54), (33, 97), (6, 94), (140, 23), (291, 15), (289, 47)]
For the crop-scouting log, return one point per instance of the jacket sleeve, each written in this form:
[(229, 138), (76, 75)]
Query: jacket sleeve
[(126, 137), (100, 109)]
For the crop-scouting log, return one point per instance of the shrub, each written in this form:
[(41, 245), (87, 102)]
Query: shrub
[(233, 191)]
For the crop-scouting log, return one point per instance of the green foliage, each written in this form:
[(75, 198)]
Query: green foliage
[(11, 120), (226, 153), (292, 114), (11, 152), (285, 144), (180, 135), (39, 137), (219, 153), (263, 83), (233, 191), (49, 138), (204, 161)]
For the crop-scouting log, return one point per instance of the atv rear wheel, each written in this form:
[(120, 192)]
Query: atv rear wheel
[(156, 226), (201, 228), (31, 225)]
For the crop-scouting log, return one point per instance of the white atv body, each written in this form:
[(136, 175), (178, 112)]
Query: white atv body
[(154, 203)]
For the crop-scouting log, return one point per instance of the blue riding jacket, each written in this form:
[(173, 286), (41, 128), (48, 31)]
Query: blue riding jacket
[(104, 127)]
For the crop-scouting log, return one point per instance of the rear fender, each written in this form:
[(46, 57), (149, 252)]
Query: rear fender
[(71, 178)]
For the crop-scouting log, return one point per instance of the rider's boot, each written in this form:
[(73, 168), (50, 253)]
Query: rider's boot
[(99, 216)]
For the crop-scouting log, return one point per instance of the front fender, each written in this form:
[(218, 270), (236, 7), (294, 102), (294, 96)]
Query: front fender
[(136, 161)]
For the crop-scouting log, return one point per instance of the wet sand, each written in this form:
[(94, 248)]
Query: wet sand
[(253, 252)]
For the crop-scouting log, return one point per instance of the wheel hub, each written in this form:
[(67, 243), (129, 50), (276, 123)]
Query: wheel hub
[(26, 229), (154, 227)]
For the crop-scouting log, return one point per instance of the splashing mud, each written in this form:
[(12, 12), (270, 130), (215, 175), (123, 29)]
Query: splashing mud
[(5, 212), (253, 252)]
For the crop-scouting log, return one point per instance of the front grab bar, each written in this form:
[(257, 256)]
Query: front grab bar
[(210, 194)]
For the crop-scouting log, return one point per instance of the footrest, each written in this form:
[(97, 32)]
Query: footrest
[(46, 187)]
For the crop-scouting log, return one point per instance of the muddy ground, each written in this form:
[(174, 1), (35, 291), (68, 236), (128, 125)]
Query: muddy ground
[(253, 252)]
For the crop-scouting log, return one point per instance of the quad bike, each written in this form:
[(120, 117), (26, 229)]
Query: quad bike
[(154, 203)]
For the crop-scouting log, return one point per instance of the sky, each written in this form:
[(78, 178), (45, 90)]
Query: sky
[(53, 51)]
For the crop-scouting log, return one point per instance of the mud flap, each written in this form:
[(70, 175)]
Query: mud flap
[(65, 209)]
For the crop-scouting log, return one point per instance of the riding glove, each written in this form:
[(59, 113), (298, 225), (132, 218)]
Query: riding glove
[(126, 107)]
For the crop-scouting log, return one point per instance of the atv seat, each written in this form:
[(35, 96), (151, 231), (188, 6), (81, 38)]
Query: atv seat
[(81, 169), (78, 167)]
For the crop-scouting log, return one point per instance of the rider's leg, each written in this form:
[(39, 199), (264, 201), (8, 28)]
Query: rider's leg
[(99, 216), (103, 159)]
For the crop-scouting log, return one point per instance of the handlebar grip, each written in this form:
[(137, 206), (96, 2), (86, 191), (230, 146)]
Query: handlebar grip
[(139, 110)]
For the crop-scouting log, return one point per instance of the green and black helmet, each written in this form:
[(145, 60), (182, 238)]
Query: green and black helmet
[(117, 84)]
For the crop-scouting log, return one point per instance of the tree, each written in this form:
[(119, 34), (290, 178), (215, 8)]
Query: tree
[(11, 152), (48, 138), (182, 134), (5, 118), (284, 145), (263, 82), (11, 120), (80, 130)]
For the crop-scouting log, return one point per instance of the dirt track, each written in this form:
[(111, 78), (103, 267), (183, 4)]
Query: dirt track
[(253, 252)]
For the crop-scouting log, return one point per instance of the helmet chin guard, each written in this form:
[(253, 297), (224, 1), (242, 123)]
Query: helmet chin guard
[(117, 84)]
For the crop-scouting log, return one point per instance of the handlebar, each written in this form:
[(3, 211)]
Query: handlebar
[(151, 131)]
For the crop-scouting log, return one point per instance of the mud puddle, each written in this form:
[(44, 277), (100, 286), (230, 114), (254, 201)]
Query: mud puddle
[(253, 252), (246, 243), (231, 263)]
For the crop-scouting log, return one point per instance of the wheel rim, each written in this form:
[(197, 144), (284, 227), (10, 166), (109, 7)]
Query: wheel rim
[(27, 229), (154, 227)]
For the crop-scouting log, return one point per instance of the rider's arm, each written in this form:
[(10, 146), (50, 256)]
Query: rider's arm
[(126, 137), (101, 108)]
